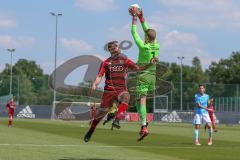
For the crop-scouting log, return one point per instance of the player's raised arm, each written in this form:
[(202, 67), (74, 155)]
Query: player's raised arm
[(134, 32), (142, 20)]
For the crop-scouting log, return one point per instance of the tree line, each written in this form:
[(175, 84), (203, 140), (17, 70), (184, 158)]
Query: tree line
[(31, 86)]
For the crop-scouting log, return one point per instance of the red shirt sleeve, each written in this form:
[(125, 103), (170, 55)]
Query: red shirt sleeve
[(102, 69), (9, 104), (131, 64)]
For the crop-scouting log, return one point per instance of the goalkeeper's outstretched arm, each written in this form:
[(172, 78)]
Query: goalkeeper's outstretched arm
[(135, 34), (142, 20)]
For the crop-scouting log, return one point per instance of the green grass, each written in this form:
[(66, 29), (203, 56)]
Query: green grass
[(61, 140)]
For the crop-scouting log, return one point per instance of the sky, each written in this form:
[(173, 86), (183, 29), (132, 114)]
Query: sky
[(209, 29)]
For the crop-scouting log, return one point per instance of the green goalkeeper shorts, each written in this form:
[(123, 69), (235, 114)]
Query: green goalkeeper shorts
[(145, 84)]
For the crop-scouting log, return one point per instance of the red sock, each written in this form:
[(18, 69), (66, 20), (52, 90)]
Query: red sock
[(121, 109), (94, 124), (10, 120)]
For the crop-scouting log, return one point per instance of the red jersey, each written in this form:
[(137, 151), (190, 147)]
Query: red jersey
[(211, 113), (212, 109), (11, 105), (115, 70)]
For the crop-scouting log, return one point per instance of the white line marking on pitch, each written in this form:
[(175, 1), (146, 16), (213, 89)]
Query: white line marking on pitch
[(101, 146)]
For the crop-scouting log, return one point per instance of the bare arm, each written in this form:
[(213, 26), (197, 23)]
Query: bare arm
[(135, 67), (200, 106), (96, 82), (135, 34), (142, 20)]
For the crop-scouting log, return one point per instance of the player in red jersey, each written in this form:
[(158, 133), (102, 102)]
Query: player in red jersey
[(11, 106), (210, 112), (115, 69)]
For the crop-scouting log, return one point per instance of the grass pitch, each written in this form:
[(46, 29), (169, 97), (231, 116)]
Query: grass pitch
[(61, 140)]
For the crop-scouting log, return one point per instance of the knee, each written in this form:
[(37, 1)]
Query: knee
[(209, 125), (197, 127), (125, 97)]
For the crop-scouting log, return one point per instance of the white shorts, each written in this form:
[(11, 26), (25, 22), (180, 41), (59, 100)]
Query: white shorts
[(198, 118)]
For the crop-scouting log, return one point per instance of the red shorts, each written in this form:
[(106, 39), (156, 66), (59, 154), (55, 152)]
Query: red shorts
[(11, 112), (109, 97), (211, 117)]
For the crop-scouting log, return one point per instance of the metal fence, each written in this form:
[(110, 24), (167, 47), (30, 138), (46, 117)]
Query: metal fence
[(26, 92), (226, 96)]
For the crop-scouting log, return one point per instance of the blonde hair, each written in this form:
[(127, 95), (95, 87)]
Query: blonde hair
[(151, 34)]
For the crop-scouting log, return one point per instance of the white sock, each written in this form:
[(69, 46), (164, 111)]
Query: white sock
[(196, 133)]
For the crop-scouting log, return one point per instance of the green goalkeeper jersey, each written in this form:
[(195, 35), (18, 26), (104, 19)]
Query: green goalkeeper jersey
[(147, 51)]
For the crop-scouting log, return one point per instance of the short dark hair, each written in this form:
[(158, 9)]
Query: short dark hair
[(151, 34), (201, 85), (111, 43)]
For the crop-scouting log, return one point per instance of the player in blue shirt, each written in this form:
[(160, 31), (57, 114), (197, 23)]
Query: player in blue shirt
[(201, 114)]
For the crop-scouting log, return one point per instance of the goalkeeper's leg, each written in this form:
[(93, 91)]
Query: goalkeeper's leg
[(141, 107), (142, 111), (142, 89)]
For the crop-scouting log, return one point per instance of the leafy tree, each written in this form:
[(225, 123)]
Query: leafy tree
[(29, 83), (226, 71)]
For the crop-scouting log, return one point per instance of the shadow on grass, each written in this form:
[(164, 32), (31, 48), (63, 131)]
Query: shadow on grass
[(71, 158)]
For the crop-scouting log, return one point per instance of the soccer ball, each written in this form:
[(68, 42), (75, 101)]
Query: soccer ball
[(136, 8)]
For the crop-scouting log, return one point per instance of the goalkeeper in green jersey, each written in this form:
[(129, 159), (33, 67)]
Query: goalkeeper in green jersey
[(148, 51)]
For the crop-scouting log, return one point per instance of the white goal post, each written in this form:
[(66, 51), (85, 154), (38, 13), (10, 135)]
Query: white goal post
[(72, 110), (160, 104)]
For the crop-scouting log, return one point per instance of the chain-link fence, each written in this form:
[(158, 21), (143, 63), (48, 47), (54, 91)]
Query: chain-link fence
[(36, 92), (226, 96), (27, 90)]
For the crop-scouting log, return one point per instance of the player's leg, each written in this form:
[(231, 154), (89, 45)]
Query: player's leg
[(147, 86), (123, 99), (210, 133), (110, 116), (111, 113), (10, 120), (100, 115), (196, 122), (141, 103), (213, 122), (141, 93), (207, 120), (143, 111), (107, 101), (11, 113), (143, 117), (206, 126), (214, 127)]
